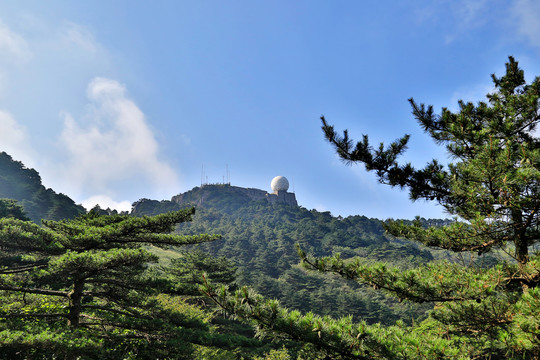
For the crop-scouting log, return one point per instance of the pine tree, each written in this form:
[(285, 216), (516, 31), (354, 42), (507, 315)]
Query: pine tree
[(491, 187), (188, 270), (11, 208), (84, 288)]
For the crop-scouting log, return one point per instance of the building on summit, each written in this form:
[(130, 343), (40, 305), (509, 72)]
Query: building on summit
[(199, 196), (280, 185)]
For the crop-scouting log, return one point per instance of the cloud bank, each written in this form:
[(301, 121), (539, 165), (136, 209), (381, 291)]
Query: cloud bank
[(112, 147), (106, 202), (107, 154), (14, 139)]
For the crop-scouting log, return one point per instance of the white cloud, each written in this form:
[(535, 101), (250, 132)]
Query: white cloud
[(113, 147), (471, 11), (80, 36), (12, 134), (13, 44), (101, 89), (468, 14), (13, 138), (527, 16), (110, 150), (105, 202), (14, 51)]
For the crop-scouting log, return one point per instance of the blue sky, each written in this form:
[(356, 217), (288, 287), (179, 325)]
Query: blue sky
[(113, 101)]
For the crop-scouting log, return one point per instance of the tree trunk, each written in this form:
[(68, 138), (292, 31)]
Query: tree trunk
[(522, 250), (75, 297)]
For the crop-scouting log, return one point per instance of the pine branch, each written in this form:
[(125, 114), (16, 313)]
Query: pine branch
[(34, 291), (115, 311), (20, 269), (429, 183), (32, 316), (434, 282), (336, 338), (476, 235)]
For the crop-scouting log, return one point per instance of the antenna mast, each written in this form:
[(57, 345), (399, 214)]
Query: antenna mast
[(202, 172)]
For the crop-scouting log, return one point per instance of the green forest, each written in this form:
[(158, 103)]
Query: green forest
[(217, 275), (261, 240), (24, 185)]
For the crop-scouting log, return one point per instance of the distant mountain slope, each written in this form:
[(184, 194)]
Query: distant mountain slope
[(260, 238), (222, 196), (24, 185)]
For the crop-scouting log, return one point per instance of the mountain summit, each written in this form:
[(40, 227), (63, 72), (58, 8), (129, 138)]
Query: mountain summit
[(222, 196)]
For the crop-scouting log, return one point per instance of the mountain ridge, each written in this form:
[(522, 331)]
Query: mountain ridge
[(260, 237), (228, 196), (23, 184)]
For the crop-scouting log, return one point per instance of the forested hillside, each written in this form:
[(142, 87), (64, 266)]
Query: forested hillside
[(491, 189), (24, 185), (257, 248), (260, 238)]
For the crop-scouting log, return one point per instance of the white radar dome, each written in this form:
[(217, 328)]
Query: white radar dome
[(280, 183)]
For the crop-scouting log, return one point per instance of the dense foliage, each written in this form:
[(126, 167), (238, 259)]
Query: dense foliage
[(83, 288), (24, 185), (91, 287), (10, 208), (260, 239), (492, 189)]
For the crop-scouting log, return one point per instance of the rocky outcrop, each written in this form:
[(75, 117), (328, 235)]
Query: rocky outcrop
[(222, 196), (200, 195)]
